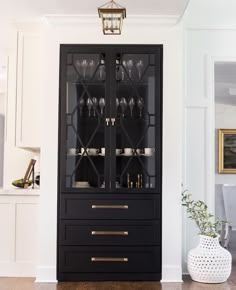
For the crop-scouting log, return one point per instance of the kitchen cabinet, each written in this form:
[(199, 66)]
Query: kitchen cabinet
[(110, 162), (28, 90), (19, 228)]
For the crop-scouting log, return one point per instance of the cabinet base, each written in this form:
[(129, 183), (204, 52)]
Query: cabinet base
[(76, 277)]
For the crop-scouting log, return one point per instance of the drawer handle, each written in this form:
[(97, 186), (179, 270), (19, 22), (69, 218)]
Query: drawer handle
[(102, 259), (110, 206), (109, 233)]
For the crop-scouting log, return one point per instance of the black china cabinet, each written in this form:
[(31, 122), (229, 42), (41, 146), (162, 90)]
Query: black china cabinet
[(110, 162)]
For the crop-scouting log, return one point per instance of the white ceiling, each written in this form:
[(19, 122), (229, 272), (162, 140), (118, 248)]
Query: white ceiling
[(13, 10), (225, 83)]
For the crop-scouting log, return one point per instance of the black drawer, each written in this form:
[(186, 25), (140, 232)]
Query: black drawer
[(74, 259), (113, 233), (79, 208)]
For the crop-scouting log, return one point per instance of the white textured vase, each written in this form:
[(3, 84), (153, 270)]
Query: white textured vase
[(209, 262)]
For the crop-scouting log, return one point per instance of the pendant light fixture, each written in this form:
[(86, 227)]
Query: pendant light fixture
[(112, 15)]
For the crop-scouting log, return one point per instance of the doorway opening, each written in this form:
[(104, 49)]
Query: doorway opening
[(225, 151)]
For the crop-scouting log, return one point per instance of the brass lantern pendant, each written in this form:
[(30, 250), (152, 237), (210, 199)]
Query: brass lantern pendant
[(112, 15)]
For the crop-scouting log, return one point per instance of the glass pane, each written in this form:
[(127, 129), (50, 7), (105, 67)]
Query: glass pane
[(136, 121), (85, 126)]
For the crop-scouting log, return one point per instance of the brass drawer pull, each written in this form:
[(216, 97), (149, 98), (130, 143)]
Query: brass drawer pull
[(109, 233), (110, 206), (102, 259)]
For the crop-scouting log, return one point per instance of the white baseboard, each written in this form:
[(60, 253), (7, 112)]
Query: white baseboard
[(171, 274), (17, 269), (46, 274)]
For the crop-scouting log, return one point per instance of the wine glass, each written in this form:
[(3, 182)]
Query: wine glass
[(131, 106), (102, 104), (91, 65), (139, 66), (123, 70), (117, 105), (95, 104), (140, 104), (78, 65), (84, 65), (81, 105), (89, 105), (129, 66), (123, 105), (101, 70)]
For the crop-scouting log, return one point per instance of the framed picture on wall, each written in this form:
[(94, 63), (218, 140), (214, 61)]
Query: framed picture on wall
[(227, 151)]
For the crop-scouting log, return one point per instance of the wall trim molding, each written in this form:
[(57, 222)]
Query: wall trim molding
[(17, 269), (210, 28), (165, 20), (46, 274), (171, 274)]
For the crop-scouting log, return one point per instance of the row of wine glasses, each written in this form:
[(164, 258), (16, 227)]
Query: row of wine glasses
[(123, 103), (92, 103), (87, 68), (128, 65)]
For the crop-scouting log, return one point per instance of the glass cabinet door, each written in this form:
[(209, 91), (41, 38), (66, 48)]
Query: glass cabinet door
[(137, 112), (83, 130)]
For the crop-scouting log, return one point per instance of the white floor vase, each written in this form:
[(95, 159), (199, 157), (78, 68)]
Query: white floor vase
[(209, 262)]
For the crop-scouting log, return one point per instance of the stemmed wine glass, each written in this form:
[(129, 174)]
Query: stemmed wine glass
[(129, 66), (89, 105), (84, 65), (117, 105), (101, 70), (81, 105), (140, 104), (139, 66), (91, 65), (123, 70), (78, 65), (102, 104), (131, 106), (123, 105), (95, 104)]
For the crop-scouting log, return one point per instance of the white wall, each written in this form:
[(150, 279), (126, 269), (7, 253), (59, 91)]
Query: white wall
[(210, 36), (136, 33)]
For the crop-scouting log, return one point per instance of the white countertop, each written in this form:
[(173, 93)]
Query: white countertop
[(19, 191)]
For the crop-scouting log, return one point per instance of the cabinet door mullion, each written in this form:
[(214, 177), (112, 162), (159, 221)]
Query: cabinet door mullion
[(113, 92)]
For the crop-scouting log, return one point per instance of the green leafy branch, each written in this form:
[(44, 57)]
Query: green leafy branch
[(198, 211)]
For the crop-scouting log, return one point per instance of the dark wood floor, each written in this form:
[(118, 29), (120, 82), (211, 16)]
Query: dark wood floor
[(28, 284)]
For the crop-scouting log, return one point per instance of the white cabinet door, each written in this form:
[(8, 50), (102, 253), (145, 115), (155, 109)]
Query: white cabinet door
[(28, 90), (19, 233)]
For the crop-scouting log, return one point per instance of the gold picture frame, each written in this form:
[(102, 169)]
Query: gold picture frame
[(227, 151)]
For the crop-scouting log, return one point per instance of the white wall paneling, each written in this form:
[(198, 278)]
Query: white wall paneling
[(15, 159), (207, 40), (19, 238), (28, 90), (171, 38)]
